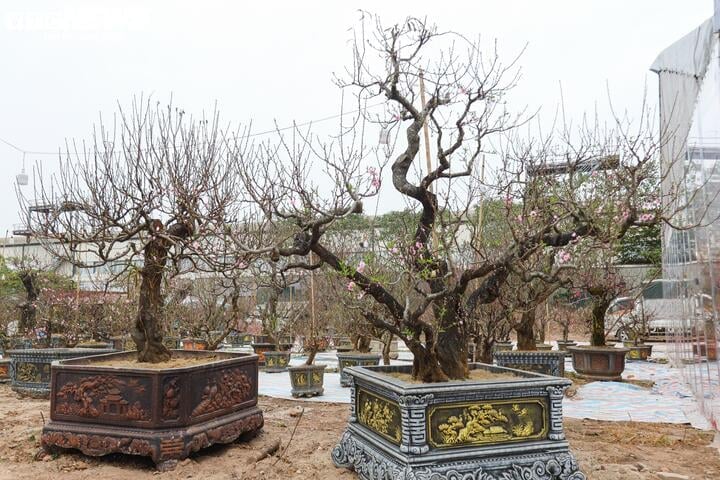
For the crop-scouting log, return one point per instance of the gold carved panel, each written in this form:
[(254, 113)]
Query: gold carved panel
[(379, 415), (501, 421)]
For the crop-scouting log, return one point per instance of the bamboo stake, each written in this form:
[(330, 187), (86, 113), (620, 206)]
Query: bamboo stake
[(428, 159)]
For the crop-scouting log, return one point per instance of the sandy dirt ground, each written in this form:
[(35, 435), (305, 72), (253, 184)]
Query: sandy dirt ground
[(605, 450)]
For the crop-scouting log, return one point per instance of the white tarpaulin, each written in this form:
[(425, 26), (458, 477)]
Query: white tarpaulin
[(689, 74)]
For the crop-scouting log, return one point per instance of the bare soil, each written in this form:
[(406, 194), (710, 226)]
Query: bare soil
[(605, 450), (477, 375), (174, 362)]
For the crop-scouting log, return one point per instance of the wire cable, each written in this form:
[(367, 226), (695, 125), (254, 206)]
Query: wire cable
[(249, 135)]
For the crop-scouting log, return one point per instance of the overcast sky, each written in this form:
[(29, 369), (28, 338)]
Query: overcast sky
[(64, 62)]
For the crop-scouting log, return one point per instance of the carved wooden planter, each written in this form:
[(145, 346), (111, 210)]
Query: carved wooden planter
[(640, 351), (31, 367), (165, 414), (481, 430), (5, 370), (276, 362), (599, 363), (354, 359), (544, 362), (307, 380)]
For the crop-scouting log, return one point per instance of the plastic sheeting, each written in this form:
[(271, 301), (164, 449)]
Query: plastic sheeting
[(689, 75)]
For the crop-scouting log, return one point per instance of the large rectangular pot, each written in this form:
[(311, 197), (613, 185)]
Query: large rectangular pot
[(599, 363), (165, 413), (31, 367), (354, 359), (536, 361), (502, 429)]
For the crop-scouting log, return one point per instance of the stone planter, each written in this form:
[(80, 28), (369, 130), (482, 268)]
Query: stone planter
[(58, 341), (564, 344), (261, 349), (543, 347), (194, 344), (509, 428), (118, 343), (544, 362), (502, 347), (19, 343), (307, 380), (354, 359), (165, 414), (31, 367), (5, 370), (637, 352), (276, 362), (599, 363), (239, 339), (172, 343)]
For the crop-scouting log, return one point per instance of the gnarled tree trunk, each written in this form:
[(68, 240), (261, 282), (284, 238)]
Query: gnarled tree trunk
[(426, 364), (32, 293), (452, 341), (387, 339), (526, 331), (599, 307), (147, 333)]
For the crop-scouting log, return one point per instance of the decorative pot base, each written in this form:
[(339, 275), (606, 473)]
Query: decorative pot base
[(355, 452), (165, 447)]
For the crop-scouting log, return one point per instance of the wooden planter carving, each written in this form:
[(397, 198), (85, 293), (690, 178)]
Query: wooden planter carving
[(165, 414)]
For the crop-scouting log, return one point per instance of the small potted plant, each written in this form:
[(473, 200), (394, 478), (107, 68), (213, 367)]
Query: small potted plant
[(564, 316), (637, 329), (489, 333), (603, 283), (351, 320), (277, 310), (307, 379), (522, 297)]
